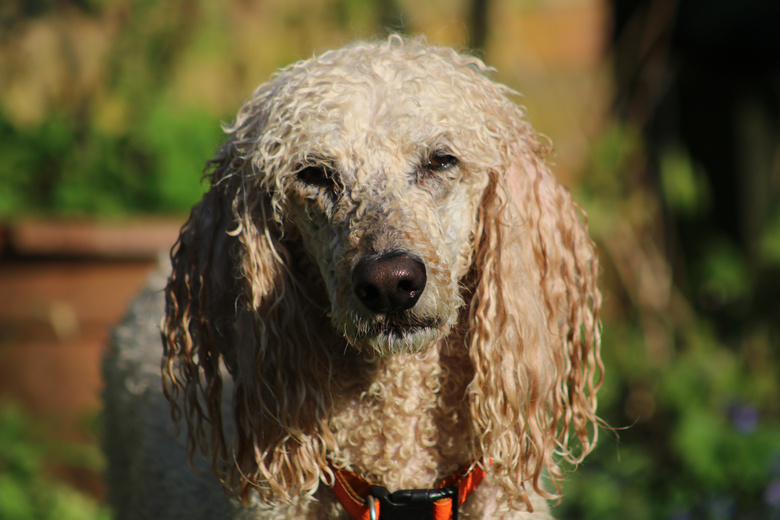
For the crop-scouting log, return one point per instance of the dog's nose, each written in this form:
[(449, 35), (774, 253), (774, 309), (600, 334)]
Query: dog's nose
[(392, 282)]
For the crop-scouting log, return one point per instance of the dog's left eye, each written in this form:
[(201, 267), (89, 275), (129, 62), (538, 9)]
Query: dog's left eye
[(441, 161), (317, 176)]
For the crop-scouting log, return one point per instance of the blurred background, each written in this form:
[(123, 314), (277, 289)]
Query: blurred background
[(665, 120)]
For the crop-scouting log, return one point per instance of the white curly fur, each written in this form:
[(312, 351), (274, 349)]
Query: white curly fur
[(498, 359)]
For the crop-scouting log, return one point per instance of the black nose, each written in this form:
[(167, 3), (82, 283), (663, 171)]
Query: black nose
[(392, 282)]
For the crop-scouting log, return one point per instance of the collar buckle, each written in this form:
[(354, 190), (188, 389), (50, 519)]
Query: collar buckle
[(410, 504)]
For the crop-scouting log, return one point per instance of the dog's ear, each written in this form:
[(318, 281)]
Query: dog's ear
[(234, 304), (534, 337), (197, 331)]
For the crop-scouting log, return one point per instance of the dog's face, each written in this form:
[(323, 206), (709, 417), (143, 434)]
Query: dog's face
[(387, 213), (383, 186)]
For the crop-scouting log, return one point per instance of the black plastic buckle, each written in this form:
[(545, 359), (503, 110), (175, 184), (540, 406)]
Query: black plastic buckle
[(412, 504)]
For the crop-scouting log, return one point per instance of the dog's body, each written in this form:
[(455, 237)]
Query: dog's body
[(384, 278)]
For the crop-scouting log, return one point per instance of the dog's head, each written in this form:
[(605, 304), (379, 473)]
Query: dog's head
[(376, 159), (379, 196)]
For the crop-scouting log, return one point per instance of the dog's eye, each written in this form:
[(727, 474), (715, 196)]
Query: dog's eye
[(441, 161), (317, 176)]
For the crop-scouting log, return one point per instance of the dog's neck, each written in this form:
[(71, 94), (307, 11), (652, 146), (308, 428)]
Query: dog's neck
[(409, 425)]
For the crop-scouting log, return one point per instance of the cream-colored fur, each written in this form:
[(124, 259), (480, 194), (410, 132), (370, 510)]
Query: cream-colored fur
[(395, 147)]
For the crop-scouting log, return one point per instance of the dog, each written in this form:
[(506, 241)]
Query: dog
[(385, 306)]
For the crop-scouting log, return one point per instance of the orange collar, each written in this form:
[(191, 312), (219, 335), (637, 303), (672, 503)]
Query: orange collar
[(359, 497)]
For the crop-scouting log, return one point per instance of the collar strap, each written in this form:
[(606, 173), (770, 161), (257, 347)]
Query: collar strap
[(365, 501)]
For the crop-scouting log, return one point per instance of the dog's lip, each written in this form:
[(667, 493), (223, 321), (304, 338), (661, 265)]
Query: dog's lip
[(400, 326), (402, 332)]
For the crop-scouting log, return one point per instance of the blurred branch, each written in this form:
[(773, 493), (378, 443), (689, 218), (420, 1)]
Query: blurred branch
[(478, 24), (391, 17)]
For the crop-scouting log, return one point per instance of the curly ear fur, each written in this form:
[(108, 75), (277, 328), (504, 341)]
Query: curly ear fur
[(534, 332), (197, 329), (235, 298)]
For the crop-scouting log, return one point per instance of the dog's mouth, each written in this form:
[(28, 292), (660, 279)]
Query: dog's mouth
[(394, 333), (401, 326)]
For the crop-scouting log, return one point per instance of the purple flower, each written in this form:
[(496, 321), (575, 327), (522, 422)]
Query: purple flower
[(744, 417), (772, 493)]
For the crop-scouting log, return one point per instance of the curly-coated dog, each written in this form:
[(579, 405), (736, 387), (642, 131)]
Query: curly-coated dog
[(384, 297)]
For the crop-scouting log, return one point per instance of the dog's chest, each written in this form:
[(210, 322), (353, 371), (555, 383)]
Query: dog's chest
[(410, 426)]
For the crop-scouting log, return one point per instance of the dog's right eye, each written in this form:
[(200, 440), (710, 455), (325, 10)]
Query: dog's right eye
[(317, 176), (441, 161)]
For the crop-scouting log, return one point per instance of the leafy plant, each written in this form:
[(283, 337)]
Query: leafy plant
[(27, 492), (693, 403), (57, 168)]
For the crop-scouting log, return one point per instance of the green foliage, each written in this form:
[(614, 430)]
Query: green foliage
[(770, 241), (682, 185), (179, 144), (26, 491), (61, 169), (147, 158), (691, 392)]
